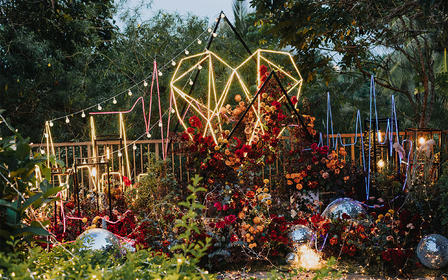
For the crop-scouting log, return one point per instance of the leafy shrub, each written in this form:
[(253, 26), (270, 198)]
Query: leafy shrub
[(17, 199)]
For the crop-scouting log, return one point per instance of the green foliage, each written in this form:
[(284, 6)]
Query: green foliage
[(17, 168), (155, 191), (441, 190), (188, 224), (59, 263)]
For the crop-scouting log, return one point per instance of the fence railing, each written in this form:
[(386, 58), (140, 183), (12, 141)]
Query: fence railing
[(140, 152)]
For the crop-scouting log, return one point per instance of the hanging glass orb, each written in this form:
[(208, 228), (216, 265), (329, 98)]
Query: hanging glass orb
[(432, 251), (342, 206)]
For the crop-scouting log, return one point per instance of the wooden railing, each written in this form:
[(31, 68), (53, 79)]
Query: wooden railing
[(139, 154)]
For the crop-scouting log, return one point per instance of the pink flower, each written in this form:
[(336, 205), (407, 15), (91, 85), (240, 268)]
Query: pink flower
[(218, 206), (225, 207), (325, 175), (389, 238), (230, 219)]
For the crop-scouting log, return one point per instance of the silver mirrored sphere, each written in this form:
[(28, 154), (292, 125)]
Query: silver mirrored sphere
[(342, 206), (300, 234), (291, 258), (98, 239), (432, 251)]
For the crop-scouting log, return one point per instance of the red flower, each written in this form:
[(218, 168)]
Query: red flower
[(230, 219), (190, 130), (316, 218), (324, 150), (386, 255), (345, 216), (276, 104), (218, 206), (126, 181), (195, 122), (333, 241), (233, 238), (220, 224), (314, 147), (294, 100), (225, 207)]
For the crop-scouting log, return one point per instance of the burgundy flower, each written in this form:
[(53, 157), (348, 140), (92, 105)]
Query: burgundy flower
[(230, 219)]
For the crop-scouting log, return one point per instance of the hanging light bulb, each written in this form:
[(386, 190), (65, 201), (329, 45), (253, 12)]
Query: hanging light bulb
[(119, 154), (173, 62), (215, 34), (46, 135), (199, 66), (160, 73), (83, 114), (199, 41), (42, 151), (51, 123), (160, 123), (145, 83), (67, 120), (187, 52), (421, 141), (129, 92), (114, 101), (191, 82), (223, 15), (99, 107), (172, 111), (134, 147), (209, 30), (148, 135), (381, 163)]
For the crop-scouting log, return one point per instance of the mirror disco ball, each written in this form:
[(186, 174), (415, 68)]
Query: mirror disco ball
[(342, 206), (98, 239), (300, 234), (432, 251), (291, 258)]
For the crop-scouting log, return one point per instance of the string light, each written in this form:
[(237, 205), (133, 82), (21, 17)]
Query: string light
[(173, 63), (114, 101), (99, 107), (421, 141), (51, 123), (119, 154), (134, 147), (160, 123), (42, 151), (215, 34), (381, 163), (199, 66), (145, 83), (46, 135), (67, 120), (223, 15), (148, 135), (191, 82), (172, 111)]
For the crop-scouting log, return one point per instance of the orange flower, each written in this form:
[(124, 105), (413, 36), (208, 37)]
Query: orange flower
[(289, 182), (257, 220), (299, 186)]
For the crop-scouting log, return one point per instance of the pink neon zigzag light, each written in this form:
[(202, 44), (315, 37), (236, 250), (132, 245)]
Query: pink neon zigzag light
[(155, 77)]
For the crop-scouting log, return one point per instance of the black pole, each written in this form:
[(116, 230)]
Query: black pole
[(184, 108), (108, 190), (251, 103), (238, 36), (76, 187), (310, 138)]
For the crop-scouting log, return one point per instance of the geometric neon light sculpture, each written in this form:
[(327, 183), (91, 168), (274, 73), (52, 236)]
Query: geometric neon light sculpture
[(216, 96)]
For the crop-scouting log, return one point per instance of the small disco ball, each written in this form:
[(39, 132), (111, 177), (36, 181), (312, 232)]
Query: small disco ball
[(300, 234), (342, 206), (98, 239), (432, 251), (291, 258)]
